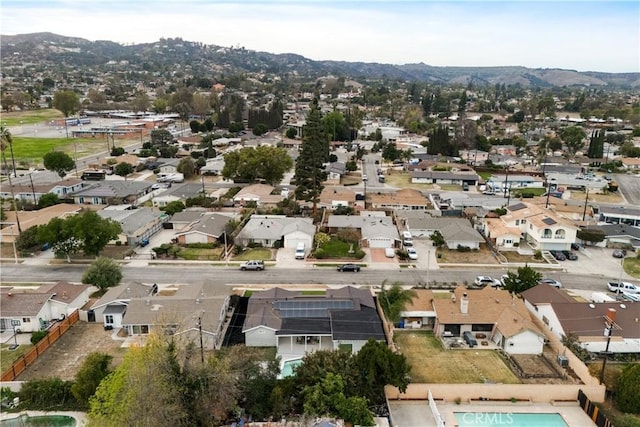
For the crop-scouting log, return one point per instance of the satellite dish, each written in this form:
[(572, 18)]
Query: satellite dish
[(623, 306), (592, 306)]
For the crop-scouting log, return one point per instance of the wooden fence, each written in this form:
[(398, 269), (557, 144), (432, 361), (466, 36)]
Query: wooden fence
[(32, 355)]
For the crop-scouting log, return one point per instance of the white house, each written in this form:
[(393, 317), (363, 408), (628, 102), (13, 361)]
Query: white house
[(268, 229), (110, 309)]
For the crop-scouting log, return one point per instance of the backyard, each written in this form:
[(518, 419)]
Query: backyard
[(402, 179), (431, 363)]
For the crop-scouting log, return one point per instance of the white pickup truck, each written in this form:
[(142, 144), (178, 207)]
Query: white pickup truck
[(623, 287)]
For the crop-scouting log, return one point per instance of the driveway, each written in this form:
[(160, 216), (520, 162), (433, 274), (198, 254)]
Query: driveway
[(596, 261)]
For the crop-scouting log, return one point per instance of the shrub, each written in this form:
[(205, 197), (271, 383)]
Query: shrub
[(37, 336), (349, 236), (320, 253), (527, 195), (463, 248), (538, 255), (202, 245), (359, 254)]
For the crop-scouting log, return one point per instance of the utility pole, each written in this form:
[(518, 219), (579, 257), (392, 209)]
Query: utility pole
[(33, 191), (586, 200), (609, 325), (201, 342)]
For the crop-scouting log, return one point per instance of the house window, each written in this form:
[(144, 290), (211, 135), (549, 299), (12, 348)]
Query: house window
[(530, 226), (523, 221), (80, 200), (508, 241), (545, 320), (108, 319), (560, 234), (517, 222), (547, 233), (26, 320)]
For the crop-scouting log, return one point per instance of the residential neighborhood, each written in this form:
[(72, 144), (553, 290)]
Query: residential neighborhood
[(392, 241)]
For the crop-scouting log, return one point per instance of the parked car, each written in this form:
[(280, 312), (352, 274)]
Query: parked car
[(489, 193), (624, 287), (257, 265), (483, 281), (551, 282), (619, 253), (502, 280), (576, 246), (413, 254), (558, 255), (349, 267), (570, 255), (389, 252)]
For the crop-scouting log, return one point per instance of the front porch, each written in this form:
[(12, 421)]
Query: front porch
[(296, 346)]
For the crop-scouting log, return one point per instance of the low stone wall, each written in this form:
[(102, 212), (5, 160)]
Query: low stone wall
[(523, 393)]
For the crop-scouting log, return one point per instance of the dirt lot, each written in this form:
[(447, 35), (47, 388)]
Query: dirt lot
[(64, 358), (481, 256)]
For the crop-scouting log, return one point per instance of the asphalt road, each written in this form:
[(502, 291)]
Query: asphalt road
[(629, 186), (219, 278)]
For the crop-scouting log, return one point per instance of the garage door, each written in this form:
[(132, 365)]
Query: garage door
[(195, 238), (293, 243), (380, 243)]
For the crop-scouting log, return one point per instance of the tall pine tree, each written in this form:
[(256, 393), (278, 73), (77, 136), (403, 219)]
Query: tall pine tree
[(310, 172), (596, 145)]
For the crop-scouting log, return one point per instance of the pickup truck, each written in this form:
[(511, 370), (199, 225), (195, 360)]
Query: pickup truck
[(623, 287)]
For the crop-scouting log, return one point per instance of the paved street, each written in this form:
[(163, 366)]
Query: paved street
[(629, 186)]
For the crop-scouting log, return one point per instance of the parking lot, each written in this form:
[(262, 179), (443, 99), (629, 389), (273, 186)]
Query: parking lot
[(596, 261)]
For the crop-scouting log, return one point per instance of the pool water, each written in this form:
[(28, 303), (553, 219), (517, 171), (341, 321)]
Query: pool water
[(503, 419), (40, 421), (287, 367)]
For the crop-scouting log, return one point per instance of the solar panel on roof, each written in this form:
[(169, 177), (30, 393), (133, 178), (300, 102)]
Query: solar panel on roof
[(549, 221), (517, 207), (310, 308)]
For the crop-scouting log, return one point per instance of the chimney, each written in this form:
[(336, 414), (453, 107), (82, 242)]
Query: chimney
[(611, 315), (464, 304)]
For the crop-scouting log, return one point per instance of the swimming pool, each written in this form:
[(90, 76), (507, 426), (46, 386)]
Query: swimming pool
[(504, 419), (25, 420), (287, 367)]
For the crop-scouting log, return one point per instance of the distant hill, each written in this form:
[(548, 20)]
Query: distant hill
[(168, 52)]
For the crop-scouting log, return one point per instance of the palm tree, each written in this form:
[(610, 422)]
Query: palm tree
[(6, 140)]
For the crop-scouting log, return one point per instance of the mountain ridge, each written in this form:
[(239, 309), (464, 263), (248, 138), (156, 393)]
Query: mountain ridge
[(78, 51)]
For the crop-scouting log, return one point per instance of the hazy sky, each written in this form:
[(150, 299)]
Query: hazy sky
[(592, 35)]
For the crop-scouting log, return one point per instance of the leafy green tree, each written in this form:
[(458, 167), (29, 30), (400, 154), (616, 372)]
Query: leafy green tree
[(378, 366), (6, 141), (103, 273), (187, 167), (393, 299), (326, 399), (48, 394), (174, 207), (628, 389), (437, 239), (123, 169), (596, 145), (60, 234), (117, 151), (248, 164), (28, 238), (47, 200), (68, 103), (142, 391), (161, 137), (525, 278), (310, 172), (94, 369), (58, 162), (590, 235), (573, 137), (260, 129), (291, 133)]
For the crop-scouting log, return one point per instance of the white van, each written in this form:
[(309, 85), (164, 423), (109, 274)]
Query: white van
[(300, 251), (407, 240)]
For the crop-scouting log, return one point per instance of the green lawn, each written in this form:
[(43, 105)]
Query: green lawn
[(30, 148), (338, 249), (30, 117), (200, 254), (534, 191), (255, 253), (7, 357), (431, 363), (485, 175), (632, 266)]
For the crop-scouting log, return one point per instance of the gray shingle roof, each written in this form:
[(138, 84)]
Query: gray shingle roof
[(113, 189), (132, 220), (273, 227)]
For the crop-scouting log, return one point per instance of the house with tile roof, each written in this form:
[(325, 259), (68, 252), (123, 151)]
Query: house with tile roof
[(406, 198), (187, 314), (563, 314), (36, 309), (269, 229), (495, 314), (377, 230), (344, 318), (541, 228), (334, 196), (259, 193)]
